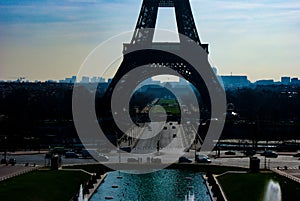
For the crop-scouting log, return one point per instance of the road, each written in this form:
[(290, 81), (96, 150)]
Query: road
[(167, 136), (172, 143), (281, 161)]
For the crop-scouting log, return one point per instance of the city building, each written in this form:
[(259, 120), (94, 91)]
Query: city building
[(73, 79), (68, 80), (235, 81), (264, 82), (215, 70), (295, 81), (285, 80), (85, 79)]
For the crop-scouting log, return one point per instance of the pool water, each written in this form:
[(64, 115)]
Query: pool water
[(163, 185)]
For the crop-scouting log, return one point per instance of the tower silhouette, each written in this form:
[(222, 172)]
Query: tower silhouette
[(140, 52)]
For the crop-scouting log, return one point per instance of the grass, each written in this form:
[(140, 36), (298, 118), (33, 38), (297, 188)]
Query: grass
[(44, 185), (252, 186), (170, 105), (167, 101)]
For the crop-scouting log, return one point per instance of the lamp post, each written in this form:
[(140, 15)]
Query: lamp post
[(5, 152), (195, 149), (118, 148)]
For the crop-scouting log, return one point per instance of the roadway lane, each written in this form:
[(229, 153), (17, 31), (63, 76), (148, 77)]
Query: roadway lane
[(149, 138)]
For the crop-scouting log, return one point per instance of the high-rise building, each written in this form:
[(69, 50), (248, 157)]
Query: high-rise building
[(94, 79), (215, 70), (285, 80), (68, 80), (73, 79), (101, 79), (295, 80), (85, 79)]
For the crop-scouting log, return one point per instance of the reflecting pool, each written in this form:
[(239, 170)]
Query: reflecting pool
[(163, 185)]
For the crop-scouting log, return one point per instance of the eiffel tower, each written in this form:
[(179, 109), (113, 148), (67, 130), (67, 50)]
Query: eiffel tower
[(143, 37)]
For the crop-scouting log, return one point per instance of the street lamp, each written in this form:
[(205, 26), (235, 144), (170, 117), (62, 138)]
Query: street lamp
[(118, 148), (5, 152)]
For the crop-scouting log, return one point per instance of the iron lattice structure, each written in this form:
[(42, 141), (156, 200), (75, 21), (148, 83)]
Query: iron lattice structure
[(143, 37)]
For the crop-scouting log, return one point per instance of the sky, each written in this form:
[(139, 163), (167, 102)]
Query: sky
[(50, 39)]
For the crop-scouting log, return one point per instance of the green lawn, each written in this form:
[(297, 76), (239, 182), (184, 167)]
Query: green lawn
[(252, 186), (170, 105), (167, 101), (43, 185)]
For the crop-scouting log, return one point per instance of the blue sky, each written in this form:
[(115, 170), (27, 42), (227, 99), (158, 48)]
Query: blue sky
[(49, 39)]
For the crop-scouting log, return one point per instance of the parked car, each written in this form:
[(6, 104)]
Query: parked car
[(58, 150), (12, 161), (229, 153), (103, 158), (202, 159), (132, 160), (250, 152), (156, 160), (126, 148), (85, 153), (174, 135), (71, 154), (184, 159), (48, 155), (297, 155), (4, 161), (269, 154)]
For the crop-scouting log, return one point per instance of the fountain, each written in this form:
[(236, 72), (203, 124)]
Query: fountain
[(189, 197), (273, 192), (80, 196)]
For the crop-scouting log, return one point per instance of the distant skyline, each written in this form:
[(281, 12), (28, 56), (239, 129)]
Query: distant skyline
[(49, 39)]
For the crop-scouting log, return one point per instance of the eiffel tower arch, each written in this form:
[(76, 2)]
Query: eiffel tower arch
[(142, 51)]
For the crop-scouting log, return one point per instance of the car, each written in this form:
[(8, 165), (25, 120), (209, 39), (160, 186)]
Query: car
[(174, 135), (102, 157), (126, 148), (229, 153), (132, 160), (156, 160), (184, 159), (297, 155), (250, 152), (85, 153), (58, 150), (12, 161), (71, 154), (269, 154), (48, 155), (173, 127), (202, 159), (4, 161)]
